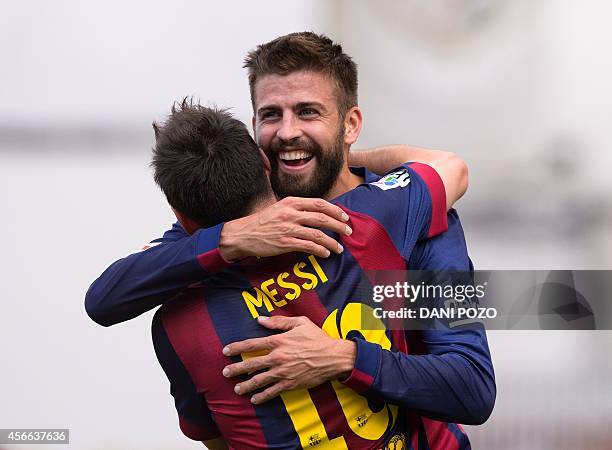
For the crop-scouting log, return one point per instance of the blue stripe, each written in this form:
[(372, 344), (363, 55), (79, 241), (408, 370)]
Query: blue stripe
[(462, 439)]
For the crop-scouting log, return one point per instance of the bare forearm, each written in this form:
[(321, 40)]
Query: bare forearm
[(450, 167), (382, 159)]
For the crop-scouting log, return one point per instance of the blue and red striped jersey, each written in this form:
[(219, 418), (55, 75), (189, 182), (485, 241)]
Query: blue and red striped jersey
[(405, 385)]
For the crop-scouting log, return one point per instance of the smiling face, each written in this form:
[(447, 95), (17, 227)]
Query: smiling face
[(298, 126)]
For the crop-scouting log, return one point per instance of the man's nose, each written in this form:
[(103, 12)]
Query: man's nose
[(289, 128)]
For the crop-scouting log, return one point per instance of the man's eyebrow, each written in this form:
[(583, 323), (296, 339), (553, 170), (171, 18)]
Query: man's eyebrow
[(310, 105), (296, 107), (266, 108)]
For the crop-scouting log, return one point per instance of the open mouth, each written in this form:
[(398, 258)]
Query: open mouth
[(295, 158)]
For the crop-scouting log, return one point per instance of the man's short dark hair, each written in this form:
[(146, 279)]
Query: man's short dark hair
[(207, 164), (305, 51)]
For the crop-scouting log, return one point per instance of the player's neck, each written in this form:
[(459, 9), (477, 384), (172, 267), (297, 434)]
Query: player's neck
[(345, 182), (262, 203)]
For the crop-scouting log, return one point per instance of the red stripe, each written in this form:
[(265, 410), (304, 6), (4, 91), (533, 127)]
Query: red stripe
[(437, 192), (370, 244), (359, 381), (334, 420), (212, 261), (413, 424), (198, 433), (399, 341), (307, 304), (439, 436), (194, 339), (329, 409), (375, 252)]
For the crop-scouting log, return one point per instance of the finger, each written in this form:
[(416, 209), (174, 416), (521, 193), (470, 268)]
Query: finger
[(257, 382), (280, 322), (247, 366), (322, 220), (248, 345), (320, 205), (271, 392), (317, 237), (300, 245)]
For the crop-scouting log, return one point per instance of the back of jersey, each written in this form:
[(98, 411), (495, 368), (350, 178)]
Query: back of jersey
[(333, 293)]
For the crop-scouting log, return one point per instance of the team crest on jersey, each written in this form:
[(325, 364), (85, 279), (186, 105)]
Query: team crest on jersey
[(397, 442), (401, 178), (362, 419), (314, 440)]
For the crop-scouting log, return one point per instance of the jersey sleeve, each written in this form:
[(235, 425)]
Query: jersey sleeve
[(409, 202), (173, 234), (453, 380), (195, 419), (139, 282)]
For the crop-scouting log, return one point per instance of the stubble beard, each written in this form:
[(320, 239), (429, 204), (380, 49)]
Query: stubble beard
[(319, 182)]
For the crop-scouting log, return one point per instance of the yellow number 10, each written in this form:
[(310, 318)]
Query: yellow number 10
[(362, 420)]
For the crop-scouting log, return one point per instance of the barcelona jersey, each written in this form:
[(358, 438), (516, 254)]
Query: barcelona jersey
[(391, 399)]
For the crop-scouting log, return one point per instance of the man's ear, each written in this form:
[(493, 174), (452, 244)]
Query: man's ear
[(352, 125), (253, 122), (266, 162), (188, 225)]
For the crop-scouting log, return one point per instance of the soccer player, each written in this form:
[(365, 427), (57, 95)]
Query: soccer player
[(198, 146), (302, 123)]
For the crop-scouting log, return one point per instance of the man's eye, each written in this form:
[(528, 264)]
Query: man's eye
[(309, 112), (269, 115)]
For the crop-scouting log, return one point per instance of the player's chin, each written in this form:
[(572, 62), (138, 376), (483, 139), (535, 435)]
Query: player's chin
[(297, 181), (291, 185)]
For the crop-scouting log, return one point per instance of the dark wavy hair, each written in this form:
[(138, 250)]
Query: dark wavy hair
[(305, 51), (207, 164)]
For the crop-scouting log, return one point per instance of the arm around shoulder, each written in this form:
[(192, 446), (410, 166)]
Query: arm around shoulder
[(452, 169)]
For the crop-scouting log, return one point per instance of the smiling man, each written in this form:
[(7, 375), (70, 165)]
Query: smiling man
[(305, 141), (306, 116)]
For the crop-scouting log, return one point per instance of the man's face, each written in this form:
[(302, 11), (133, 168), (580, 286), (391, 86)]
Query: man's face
[(298, 126)]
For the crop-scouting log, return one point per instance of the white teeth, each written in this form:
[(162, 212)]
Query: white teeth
[(293, 155)]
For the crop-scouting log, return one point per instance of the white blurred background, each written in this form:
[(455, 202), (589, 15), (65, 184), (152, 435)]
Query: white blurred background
[(520, 89)]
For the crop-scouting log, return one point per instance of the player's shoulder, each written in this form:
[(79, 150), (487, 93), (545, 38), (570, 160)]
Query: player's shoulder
[(180, 305), (399, 177), (376, 191), (174, 323)]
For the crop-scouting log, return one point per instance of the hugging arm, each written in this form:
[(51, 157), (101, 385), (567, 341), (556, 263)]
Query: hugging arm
[(452, 169), (142, 281), (453, 380), (139, 282)]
